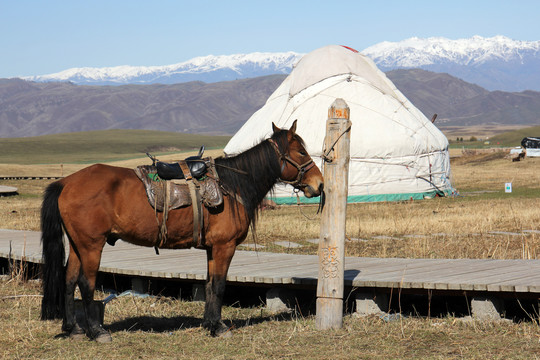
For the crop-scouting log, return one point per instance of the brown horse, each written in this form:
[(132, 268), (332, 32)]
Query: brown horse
[(101, 204)]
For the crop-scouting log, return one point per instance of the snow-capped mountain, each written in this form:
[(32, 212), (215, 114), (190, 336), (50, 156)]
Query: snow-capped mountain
[(206, 68), (416, 52), (496, 63)]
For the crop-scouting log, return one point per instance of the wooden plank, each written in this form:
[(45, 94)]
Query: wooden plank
[(267, 268), (281, 267), (489, 280), (414, 277), (246, 266), (527, 282), (399, 270), (392, 275), (172, 261), (453, 279), (454, 270)]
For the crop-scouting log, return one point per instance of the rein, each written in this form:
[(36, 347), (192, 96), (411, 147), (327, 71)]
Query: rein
[(302, 169), (327, 152)]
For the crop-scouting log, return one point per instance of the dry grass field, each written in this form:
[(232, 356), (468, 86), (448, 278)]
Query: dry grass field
[(482, 222), (165, 328)]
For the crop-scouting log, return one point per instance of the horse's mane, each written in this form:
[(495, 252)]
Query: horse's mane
[(261, 163)]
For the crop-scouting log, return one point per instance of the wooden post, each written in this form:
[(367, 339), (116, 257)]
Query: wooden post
[(332, 239)]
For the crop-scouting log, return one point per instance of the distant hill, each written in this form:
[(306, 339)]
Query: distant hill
[(31, 109), (461, 103)]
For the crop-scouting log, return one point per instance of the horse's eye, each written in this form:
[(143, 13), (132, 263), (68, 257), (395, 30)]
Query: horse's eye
[(303, 153)]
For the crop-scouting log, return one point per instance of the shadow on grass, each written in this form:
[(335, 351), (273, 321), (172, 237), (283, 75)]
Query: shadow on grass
[(168, 324)]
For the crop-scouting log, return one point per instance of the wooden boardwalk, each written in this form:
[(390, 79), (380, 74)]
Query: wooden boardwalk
[(251, 267)]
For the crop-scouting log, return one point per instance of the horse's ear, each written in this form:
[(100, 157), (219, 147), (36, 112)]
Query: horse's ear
[(275, 128), (292, 130)]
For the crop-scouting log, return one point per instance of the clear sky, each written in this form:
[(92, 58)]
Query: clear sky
[(41, 37)]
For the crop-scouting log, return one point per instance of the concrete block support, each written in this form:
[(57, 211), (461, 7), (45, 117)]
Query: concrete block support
[(369, 303), (484, 308), (280, 300)]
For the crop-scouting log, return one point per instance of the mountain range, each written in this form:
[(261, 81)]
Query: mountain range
[(32, 108), (496, 63), (209, 69), (433, 73)]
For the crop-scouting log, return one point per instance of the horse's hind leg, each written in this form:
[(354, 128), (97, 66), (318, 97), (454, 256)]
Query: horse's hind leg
[(90, 259), (70, 325)]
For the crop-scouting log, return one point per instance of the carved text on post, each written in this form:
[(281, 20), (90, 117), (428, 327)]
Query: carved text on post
[(330, 261)]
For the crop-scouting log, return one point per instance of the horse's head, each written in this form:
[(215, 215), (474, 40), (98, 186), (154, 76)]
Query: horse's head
[(297, 167)]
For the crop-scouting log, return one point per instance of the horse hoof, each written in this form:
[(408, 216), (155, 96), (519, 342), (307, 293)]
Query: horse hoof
[(223, 332), (226, 334), (77, 334), (103, 337)]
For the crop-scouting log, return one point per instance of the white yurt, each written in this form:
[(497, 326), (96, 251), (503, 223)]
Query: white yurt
[(396, 152)]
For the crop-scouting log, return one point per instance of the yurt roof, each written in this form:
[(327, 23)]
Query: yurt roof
[(381, 115)]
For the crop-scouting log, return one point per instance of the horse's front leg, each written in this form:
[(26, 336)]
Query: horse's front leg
[(219, 258)]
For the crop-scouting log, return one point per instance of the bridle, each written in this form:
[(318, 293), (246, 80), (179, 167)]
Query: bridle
[(302, 169)]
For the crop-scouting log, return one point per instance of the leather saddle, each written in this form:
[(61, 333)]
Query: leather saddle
[(179, 194), (196, 168)]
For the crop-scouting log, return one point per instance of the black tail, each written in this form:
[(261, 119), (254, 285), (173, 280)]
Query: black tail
[(54, 276)]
